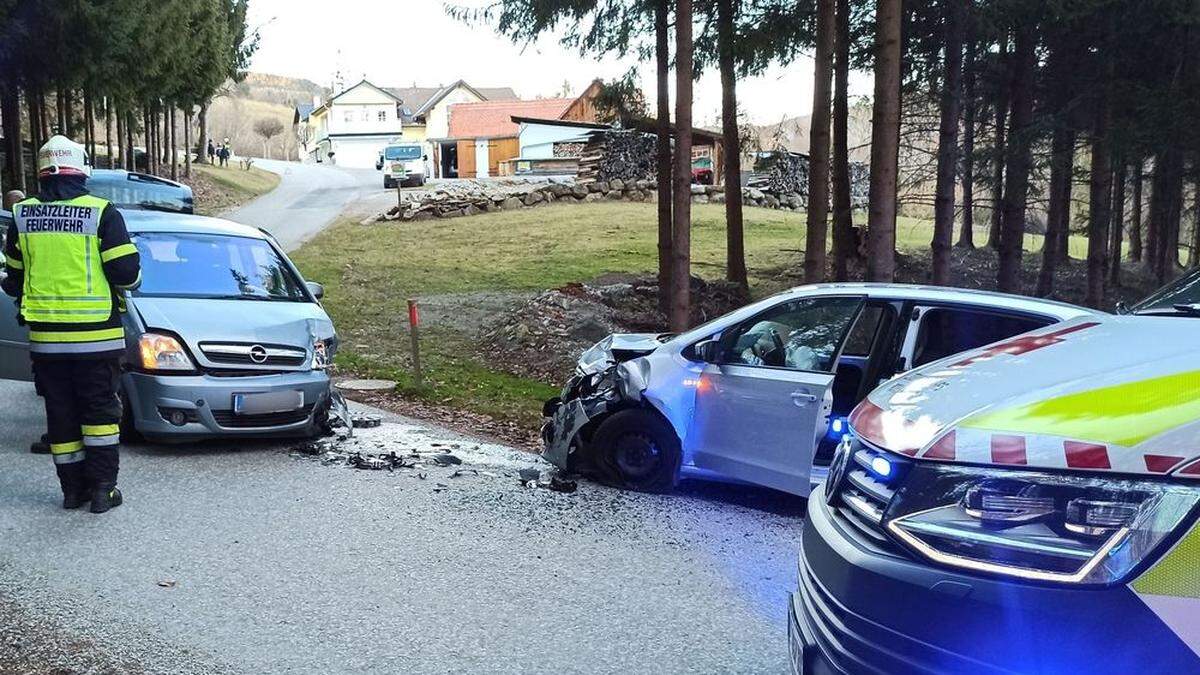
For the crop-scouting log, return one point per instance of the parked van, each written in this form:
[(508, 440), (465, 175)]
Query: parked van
[(402, 164)]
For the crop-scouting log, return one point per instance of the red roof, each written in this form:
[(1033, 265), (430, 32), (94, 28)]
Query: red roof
[(492, 119)]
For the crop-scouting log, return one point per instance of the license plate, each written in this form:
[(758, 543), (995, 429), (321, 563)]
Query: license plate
[(267, 402)]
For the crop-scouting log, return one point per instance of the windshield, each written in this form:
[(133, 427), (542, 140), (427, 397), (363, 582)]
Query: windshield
[(214, 266), (1183, 291), (402, 152)]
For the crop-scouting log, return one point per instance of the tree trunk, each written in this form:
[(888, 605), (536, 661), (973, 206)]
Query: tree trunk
[(966, 232), (885, 142), (1058, 211), (1165, 202), (202, 135), (843, 215), (108, 144), (735, 249), (682, 215), (60, 111), (1019, 158), (999, 151), (1135, 223), (187, 142), (662, 60), (1116, 229), (818, 147), (10, 110), (174, 147), (1099, 203), (89, 125), (947, 156), (130, 154), (122, 152), (43, 118)]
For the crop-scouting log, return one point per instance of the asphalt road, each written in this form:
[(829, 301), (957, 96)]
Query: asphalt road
[(240, 557), (308, 197)]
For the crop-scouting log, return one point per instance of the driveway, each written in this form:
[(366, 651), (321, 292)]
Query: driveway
[(309, 197), (249, 558)]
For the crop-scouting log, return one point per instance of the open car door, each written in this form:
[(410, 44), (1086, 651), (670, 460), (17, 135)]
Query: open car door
[(764, 402), (14, 338)]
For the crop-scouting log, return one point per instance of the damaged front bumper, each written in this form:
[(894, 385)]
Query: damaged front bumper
[(589, 396)]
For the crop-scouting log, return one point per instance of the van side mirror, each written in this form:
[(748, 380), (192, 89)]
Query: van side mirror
[(317, 290), (379, 165), (708, 351)]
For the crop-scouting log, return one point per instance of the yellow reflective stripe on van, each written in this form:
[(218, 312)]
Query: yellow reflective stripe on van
[(77, 335), (1176, 574), (117, 252), (14, 263), (1124, 414)]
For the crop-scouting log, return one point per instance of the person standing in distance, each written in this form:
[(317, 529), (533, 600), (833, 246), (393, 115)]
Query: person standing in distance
[(69, 258)]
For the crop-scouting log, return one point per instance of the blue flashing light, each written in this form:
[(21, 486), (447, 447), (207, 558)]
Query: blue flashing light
[(837, 425), (881, 466)]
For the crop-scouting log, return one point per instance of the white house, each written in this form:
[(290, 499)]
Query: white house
[(352, 128)]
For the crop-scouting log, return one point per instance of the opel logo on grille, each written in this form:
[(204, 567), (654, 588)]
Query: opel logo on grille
[(837, 470), (258, 354)]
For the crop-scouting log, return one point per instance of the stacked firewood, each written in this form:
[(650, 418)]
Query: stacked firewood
[(780, 173), (617, 154)]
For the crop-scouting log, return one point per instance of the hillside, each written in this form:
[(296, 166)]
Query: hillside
[(792, 134), (232, 114)]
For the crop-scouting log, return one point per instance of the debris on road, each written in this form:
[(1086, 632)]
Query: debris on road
[(383, 449), (167, 583)]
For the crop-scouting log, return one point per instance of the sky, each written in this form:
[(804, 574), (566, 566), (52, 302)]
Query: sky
[(405, 42)]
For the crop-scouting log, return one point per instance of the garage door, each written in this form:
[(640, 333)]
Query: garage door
[(358, 153)]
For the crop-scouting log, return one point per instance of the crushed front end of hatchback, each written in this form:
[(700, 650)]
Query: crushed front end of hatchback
[(611, 375)]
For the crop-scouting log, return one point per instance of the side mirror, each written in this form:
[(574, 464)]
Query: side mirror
[(379, 165), (708, 351), (425, 157), (317, 290)]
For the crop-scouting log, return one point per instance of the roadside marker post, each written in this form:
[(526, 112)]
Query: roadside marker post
[(414, 324)]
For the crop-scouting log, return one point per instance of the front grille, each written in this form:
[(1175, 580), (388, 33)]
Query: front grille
[(247, 354), (229, 420), (862, 497)]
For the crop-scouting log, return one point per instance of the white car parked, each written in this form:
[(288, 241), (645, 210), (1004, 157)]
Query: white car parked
[(761, 394)]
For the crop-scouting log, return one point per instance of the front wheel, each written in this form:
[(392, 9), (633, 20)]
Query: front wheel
[(637, 450)]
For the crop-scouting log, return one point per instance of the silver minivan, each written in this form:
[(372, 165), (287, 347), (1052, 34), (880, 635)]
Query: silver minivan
[(224, 336)]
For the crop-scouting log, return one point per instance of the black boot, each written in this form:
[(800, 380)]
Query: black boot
[(41, 446), (76, 499), (105, 498)]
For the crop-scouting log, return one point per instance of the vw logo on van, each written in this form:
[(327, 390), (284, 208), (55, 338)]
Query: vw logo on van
[(258, 354), (837, 469)]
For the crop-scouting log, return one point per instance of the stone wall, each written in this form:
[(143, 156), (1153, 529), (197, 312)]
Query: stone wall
[(468, 198)]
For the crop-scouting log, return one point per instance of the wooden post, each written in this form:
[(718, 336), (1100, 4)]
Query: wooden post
[(414, 323)]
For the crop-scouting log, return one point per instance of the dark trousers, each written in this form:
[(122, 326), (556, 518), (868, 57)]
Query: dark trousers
[(83, 416)]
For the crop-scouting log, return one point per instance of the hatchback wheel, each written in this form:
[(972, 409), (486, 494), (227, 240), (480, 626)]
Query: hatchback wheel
[(637, 450)]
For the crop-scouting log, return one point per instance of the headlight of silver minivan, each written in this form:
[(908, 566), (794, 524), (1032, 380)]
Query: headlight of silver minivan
[(1039, 526)]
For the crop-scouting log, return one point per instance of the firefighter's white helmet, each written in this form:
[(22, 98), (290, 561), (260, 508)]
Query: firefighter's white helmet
[(62, 156)]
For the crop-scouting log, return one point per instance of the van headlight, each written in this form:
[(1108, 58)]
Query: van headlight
[(1038, 526)]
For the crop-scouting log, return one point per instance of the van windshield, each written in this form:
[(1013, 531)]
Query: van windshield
[(402, 152)]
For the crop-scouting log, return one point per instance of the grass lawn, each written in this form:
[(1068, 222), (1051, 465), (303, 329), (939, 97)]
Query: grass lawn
[(219, 189), (369, 272)]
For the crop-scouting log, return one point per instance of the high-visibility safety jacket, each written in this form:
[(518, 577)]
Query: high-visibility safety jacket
[(71, 258)]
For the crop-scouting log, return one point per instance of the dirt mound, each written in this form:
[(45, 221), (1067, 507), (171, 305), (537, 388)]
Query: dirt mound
[(543, 338)]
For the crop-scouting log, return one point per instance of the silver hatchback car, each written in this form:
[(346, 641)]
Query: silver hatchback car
[(224, 336)]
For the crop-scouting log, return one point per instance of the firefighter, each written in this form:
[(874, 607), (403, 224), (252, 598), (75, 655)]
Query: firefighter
[(69, 259)]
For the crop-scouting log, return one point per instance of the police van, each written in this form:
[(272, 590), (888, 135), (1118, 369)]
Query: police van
[(1030, 507)]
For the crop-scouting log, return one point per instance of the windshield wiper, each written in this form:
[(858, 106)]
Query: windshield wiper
[(246, 296), (1179, 309)]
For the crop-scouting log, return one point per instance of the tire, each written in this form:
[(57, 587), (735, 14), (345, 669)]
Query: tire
[(638, 450), (388, 184)]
